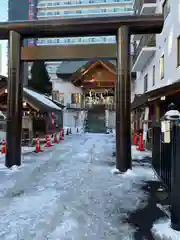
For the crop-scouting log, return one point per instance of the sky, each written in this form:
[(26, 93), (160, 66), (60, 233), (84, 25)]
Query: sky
[(4, 17)]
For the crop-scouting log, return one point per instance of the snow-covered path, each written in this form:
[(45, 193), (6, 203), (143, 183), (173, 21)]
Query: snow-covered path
[(70, 193)]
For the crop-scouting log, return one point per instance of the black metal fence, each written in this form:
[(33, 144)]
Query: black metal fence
[(166, 162), (162, 154)]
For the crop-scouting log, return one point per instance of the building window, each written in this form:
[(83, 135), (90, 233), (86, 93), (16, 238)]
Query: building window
[(146, 83), (55, 95), (162, 67), (61, 98), (75, 98), (166, 8), (153, 75), (178, 51)]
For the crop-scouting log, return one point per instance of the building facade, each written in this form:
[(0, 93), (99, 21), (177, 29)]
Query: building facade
[(53, 9), (76, 8), (3, 43), (22, 10), (157, 63), (86, 88), (1, 59), (157, 57)]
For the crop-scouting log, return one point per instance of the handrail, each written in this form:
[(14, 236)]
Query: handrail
[(148, 40), (138, 4)]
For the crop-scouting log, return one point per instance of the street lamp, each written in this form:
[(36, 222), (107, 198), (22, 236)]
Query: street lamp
[(24, 104)]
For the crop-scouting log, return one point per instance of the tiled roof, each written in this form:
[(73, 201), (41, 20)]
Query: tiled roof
[(69, 67)]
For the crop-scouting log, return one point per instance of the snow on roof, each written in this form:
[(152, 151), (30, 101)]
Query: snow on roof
[(42, 98), (51, 98)]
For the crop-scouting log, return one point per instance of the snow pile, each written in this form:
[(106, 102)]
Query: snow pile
[(140, 155), (162, 230), (136, 171), (115, 171), (14, 168)]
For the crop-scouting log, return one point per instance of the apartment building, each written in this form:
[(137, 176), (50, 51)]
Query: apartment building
[(53, 9), (64, 91), (157, 58), (156, 61), (23, 10)]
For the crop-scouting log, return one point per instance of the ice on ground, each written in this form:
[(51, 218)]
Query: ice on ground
[(162, 230), (69, 192), (27, 149), (140, 155), (23, 149)]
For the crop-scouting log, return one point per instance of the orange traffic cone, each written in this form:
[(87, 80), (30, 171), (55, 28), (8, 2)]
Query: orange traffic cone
[(3, 148), (135, 139), (38, 147), (141, 145), (48, 142), (60, 137), (62, 134), (55, 139)]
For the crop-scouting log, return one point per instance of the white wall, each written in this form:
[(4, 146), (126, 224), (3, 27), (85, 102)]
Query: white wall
[(65, 87), (112, 118), (166, 44), (69, 116), (73, 118)]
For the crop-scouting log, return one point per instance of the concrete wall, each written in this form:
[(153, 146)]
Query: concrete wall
[(71, 118), (112, 119), (65, 87), (166, 44)]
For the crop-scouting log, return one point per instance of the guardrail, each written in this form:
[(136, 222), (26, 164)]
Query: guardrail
[(138, 4), (148, 40)]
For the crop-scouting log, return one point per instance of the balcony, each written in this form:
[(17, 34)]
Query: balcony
[(144, 7), (74, 106), (108, 106), (143, 52)]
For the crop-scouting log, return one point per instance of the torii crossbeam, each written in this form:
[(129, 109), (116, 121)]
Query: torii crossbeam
[(120, 26)]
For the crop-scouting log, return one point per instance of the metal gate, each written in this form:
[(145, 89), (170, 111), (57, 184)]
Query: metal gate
[(96, 121)]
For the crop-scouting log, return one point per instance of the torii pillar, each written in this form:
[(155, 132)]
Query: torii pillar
[(123, 101)]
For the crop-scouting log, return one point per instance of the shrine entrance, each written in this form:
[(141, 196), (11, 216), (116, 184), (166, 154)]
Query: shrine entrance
[(120, 26)]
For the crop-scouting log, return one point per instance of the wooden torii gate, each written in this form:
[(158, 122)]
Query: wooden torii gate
[(120, 26)]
